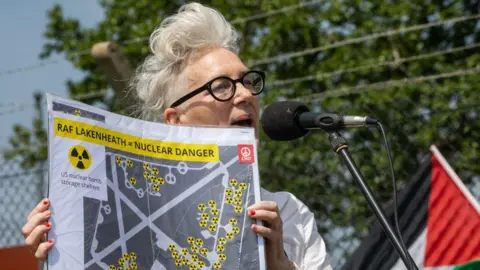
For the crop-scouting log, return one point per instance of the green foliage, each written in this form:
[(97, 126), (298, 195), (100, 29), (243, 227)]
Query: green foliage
[(28, 146), (442, 112)]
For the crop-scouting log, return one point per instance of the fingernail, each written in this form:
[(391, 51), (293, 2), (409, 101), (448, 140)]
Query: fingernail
[(50, 241), (252, 212), (47, 224), (48, 213), (253, 226), (45, 202)]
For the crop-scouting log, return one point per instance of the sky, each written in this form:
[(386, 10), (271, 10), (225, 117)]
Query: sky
[(22, 24)]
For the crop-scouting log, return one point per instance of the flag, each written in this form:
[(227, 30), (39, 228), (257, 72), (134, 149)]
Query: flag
[(439, 220)]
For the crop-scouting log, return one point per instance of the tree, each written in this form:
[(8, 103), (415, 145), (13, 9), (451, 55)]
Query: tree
[(442, 111)]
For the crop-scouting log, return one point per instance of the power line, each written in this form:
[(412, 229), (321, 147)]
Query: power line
[(433, 113), (27, 68), (15, 109), (90, 95), (370, 66), (102, 93), (241, 20), (345, 91), (430, 113), (281, 56), (22, 106), (359, 39), (275, 12), (10, 104), (145, 38)]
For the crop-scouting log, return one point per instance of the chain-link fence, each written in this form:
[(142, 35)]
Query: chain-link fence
[(20, 190)]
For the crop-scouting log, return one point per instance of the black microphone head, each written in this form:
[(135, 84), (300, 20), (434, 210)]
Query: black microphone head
[(279, 123)]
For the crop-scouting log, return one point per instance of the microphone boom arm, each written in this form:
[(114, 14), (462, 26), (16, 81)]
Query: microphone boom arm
[(339, 145)]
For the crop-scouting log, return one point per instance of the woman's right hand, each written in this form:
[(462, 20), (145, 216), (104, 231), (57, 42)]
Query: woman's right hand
[(36, 228)]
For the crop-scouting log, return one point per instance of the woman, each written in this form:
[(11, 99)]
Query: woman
[(195, 77)]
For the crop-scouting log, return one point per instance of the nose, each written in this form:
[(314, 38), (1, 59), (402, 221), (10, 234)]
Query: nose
[(242, 94)]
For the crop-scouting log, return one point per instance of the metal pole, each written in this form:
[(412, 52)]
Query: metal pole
[(39, 113), (41, 163), (339, 145)]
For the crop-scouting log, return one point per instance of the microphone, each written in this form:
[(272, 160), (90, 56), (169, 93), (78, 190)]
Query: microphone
[(290, 120)]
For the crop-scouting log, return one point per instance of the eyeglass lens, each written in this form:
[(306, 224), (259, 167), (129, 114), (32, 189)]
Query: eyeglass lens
[(223, 88)]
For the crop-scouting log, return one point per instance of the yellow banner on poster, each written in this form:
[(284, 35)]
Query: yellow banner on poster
[(133, 144)]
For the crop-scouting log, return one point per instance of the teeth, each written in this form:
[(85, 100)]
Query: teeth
[(243, 123)]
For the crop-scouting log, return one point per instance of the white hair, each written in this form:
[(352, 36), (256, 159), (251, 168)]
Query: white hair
[(159, 80)]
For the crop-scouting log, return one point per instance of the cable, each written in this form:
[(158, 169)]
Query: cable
[(10, 104), (145, 38), (432, 113), (345, 91), (20, 107), (275, 12), (395, 213), (17, 108), (242, 20), (375, 65), (281, 56), (359, 39), (38, 65), (27, 68), (90, 95), (315, 77)]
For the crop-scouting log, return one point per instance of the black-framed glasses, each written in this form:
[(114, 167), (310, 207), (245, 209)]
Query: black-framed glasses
[(223, 88)]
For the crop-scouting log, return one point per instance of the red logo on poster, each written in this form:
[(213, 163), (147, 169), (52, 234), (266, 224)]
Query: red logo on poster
[(245, 153)]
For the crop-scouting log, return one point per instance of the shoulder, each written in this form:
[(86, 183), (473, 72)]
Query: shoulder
[(302, 243)]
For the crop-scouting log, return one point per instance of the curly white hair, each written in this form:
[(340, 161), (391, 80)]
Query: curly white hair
[(160, 79)]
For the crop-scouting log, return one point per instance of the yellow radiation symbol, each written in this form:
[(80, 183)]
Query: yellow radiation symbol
[(79, 157)]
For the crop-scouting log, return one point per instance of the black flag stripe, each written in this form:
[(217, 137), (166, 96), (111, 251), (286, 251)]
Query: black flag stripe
[(375, 251)]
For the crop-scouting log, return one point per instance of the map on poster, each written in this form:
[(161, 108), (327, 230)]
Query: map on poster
[(131, 194)]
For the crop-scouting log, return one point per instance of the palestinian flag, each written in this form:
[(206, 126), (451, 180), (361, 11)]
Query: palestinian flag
[(439, 220)]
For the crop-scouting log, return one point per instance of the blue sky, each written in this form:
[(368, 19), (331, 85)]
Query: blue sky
[(22, 24)]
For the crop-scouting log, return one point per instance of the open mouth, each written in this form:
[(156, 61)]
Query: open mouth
[(243, 123)]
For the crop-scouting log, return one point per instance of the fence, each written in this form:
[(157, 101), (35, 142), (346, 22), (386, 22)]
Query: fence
[(21, 190)]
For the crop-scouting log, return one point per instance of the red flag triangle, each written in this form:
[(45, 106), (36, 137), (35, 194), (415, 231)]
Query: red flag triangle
[(453, 225)]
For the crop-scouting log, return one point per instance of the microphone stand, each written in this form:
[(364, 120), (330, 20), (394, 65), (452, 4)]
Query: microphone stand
[(339, 145)]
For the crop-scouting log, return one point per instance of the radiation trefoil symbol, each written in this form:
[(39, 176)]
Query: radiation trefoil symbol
[(79, 157)]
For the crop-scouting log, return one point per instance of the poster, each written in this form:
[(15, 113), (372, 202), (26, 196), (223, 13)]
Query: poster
[(131, 194)]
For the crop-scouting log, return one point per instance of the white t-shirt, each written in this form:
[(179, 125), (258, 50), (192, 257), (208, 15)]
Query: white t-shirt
[(301, 241)]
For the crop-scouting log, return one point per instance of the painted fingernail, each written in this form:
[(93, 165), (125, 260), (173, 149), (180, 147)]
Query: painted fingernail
[(45, 202), (47, 224), (252, 212), (50, 241)]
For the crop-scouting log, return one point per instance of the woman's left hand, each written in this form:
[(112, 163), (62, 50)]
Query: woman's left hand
[(272, 232)]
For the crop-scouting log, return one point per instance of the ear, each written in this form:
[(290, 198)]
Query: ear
[(171, 116)]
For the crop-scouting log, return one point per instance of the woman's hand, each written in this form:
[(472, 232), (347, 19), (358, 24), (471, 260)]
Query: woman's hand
[(36, 228), (272, 232)]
